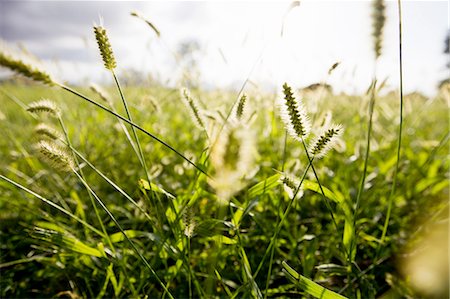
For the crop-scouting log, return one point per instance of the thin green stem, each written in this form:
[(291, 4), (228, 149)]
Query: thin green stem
[(280, 223), (127, 111), (52, 204), (188, 241), (400, 128), (132, 124), (327, 203), (366, 161), (134, 247), (272, 250), (114, 185)]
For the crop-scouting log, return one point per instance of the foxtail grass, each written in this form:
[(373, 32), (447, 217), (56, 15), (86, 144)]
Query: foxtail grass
[(293, 114), (24, 68), (378, 20), (44, 106), (194, 110), (105, 48), (325, 141)]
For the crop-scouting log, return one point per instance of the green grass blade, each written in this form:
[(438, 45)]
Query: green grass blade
[(309, 286)]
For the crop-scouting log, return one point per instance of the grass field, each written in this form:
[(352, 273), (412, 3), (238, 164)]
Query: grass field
[(158, 193), (46, 253)]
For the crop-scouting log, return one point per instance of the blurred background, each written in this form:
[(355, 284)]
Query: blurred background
[(221, 44)]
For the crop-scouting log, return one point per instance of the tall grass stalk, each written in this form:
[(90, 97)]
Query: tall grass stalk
[(400, 128), (378, 20)]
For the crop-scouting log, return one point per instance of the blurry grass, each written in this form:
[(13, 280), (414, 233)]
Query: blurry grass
[(38, 261)]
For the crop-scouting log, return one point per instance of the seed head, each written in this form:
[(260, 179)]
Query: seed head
[(291, 185), (24, 68), (189, 222), (378, 20), (231, 159), (44, 106), (325, 141), (101, 93), (333, 67), (56, 156), (294, 115), (45, 130), (192, 105), (105, 47)]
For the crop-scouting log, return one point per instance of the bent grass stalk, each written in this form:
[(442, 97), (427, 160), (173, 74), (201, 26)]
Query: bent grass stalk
[(109, 61), (67, 139), (53, 205), (283, 218), (78, 94)]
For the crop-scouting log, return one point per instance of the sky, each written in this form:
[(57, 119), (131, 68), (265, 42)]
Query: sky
[(235, 40)]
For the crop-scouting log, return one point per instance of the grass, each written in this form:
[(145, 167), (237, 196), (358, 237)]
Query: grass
[(307, 240), (218, 200)]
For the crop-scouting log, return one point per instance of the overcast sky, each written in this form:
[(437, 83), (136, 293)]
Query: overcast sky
[(233, 37)]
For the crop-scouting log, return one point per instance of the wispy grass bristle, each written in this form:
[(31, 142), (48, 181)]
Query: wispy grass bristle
[(325, 141), (105, 47), (23, 67), (56, 156), (294, 115), (101, 93), (192, 105), (44, 106), (290, 185), (138, 15), (48, 131), (378, 21)]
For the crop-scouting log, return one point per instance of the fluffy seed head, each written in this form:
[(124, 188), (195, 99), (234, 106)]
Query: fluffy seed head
[(23, 67), (378, 20), (294, 115), (192, 105), (44, 106), (231, 158), (189, 222), (291, 185), (240, 107), (105, 47), (45, 130), (56, 156), (325, 141)]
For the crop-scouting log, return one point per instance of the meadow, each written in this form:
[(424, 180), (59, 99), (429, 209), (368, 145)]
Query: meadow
[(156, 192)]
